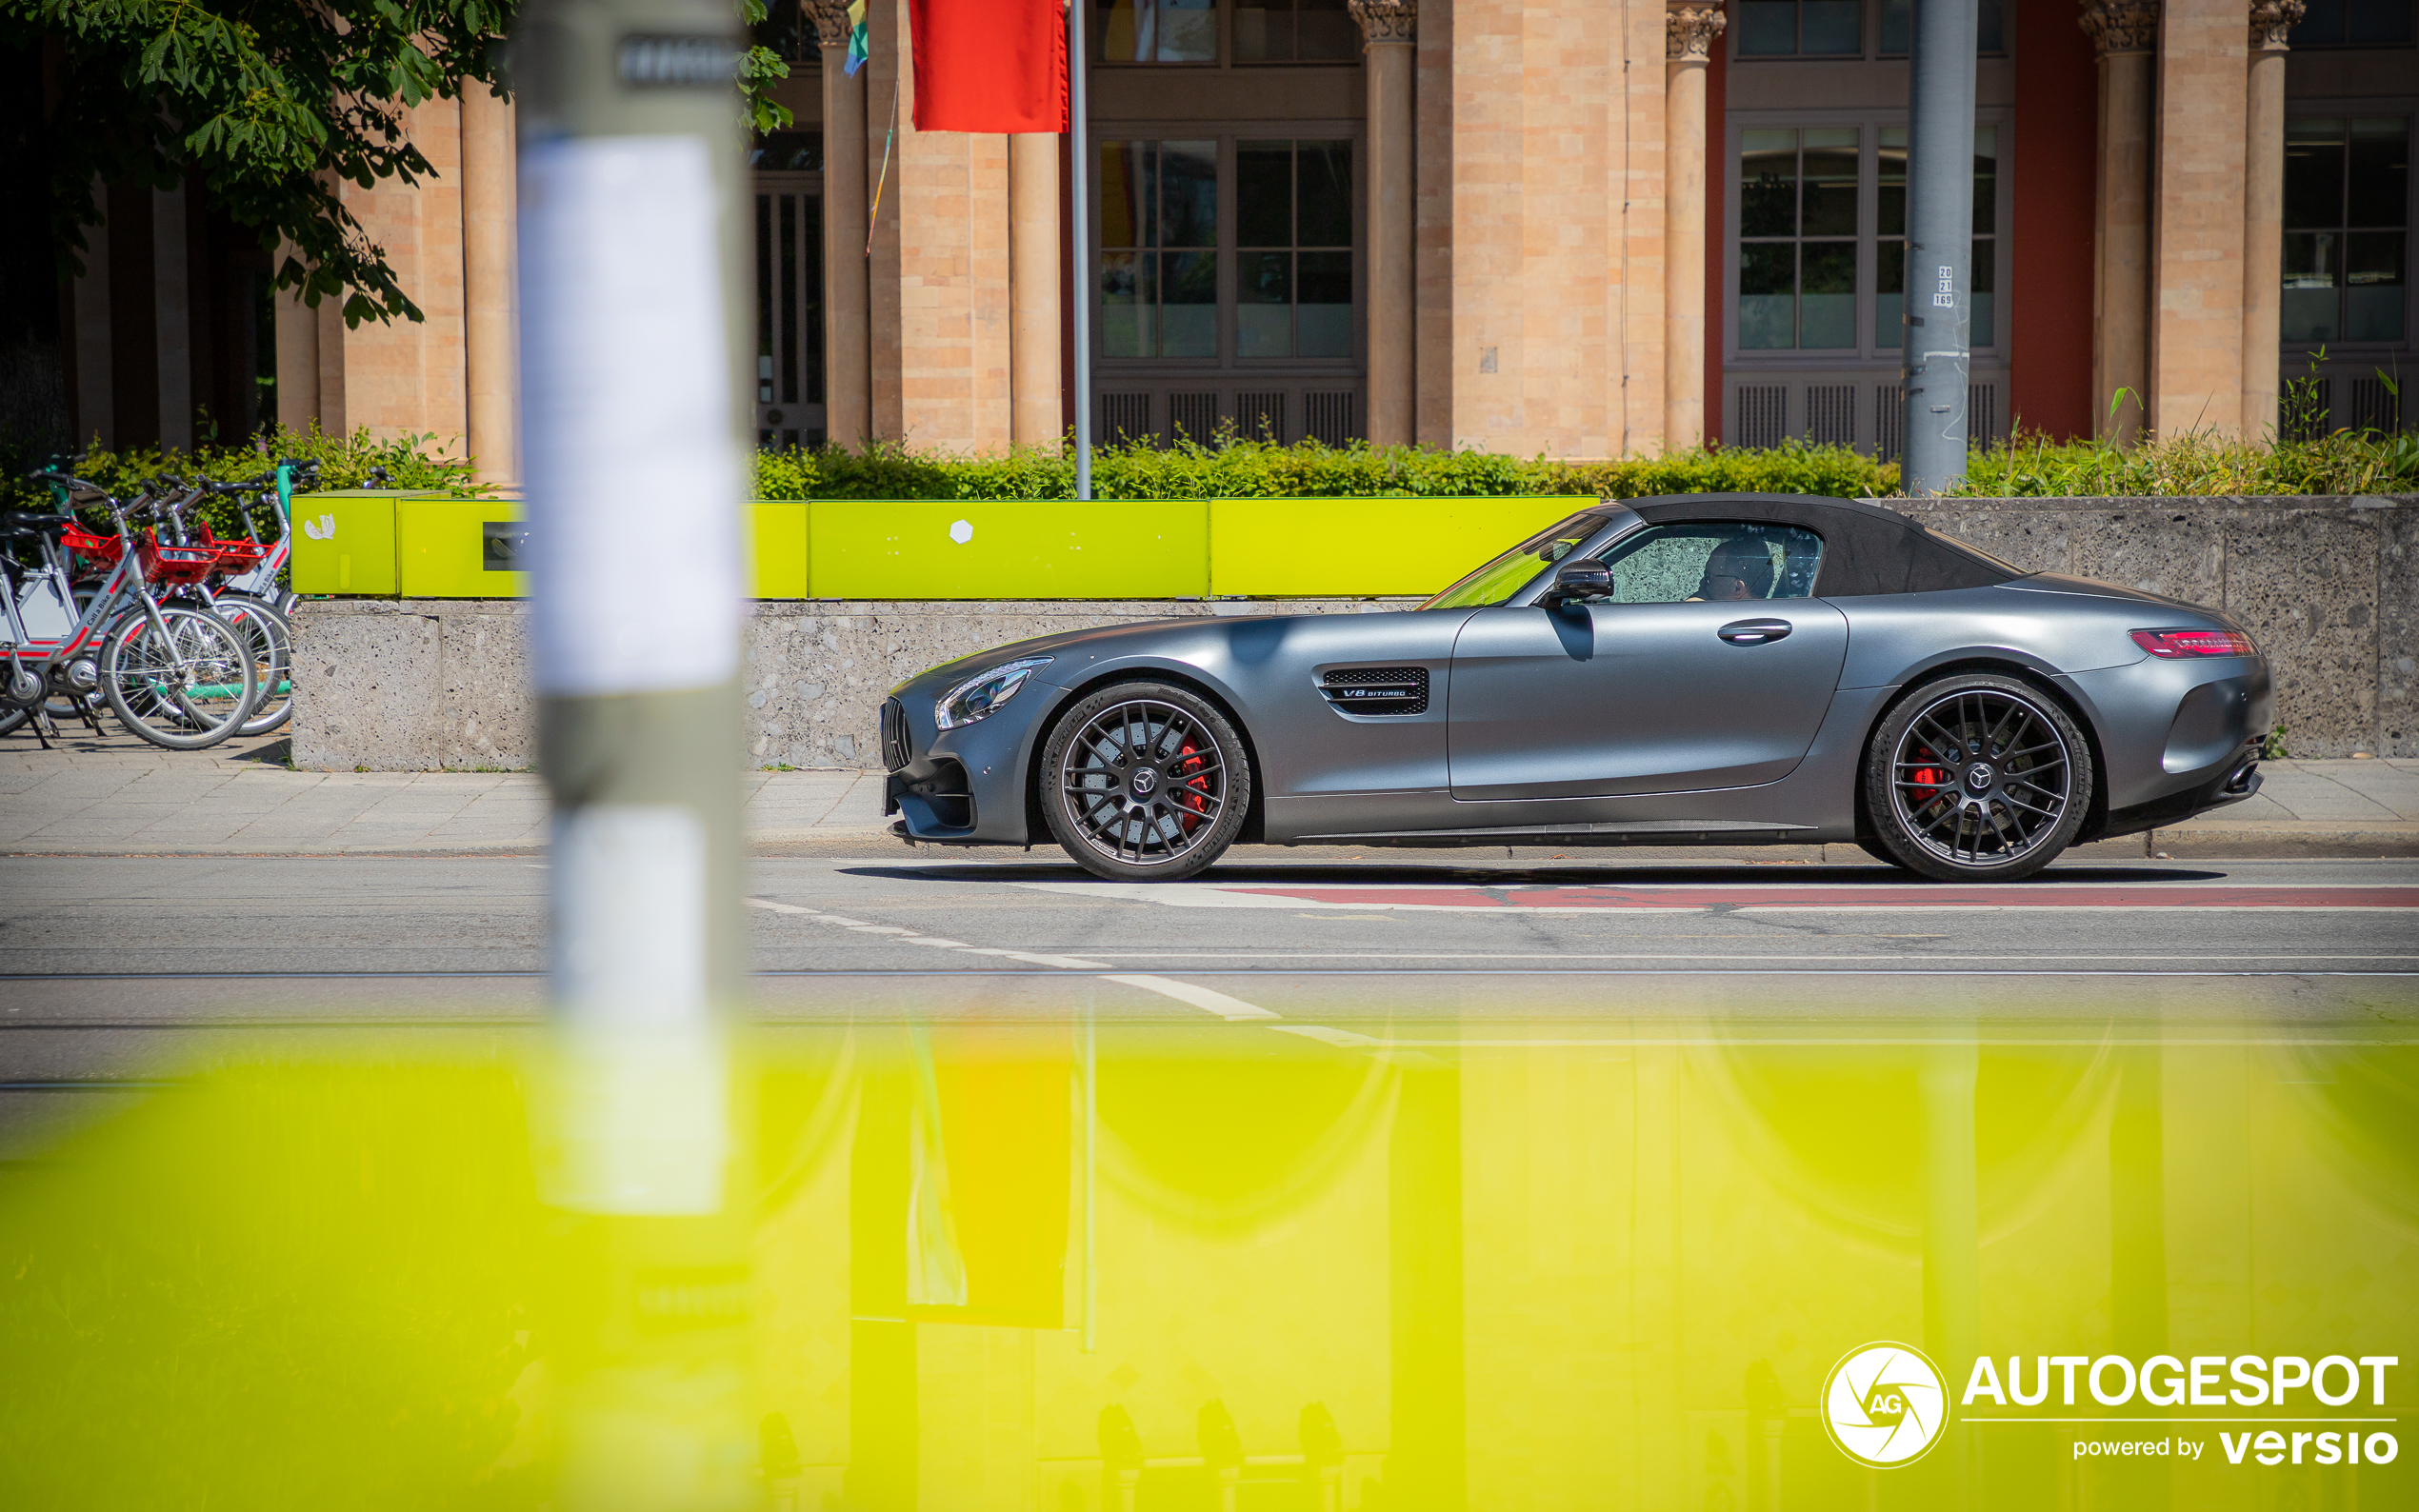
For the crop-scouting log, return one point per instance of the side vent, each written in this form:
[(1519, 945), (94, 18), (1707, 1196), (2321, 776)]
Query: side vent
[(1763, 414), (1194, 417), (1376, 690)]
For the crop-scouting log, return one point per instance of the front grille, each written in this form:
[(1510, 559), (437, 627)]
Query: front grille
[(895, 751), (1376, 690)]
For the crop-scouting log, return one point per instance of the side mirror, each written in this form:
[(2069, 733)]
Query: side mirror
[(1579, 578)]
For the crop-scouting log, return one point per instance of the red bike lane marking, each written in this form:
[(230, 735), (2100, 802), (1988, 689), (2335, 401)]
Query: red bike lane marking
[(2016, 895)]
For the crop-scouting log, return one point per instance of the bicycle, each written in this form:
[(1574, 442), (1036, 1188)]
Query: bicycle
[(266, 633), (178, 677)]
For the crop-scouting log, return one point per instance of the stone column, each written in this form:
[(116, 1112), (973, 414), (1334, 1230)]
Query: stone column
[(489, 358), (2123, 32), (1689, 30), (848, 353), (172, 315), (1035, 397), (297, 354), (1389, 28), (2263, 212), (2196, 219)]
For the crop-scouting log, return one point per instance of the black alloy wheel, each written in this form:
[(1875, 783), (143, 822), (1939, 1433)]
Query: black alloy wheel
[(1144, 782), (1977, 778)]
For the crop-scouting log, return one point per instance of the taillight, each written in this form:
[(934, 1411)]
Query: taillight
[(2195, 643)]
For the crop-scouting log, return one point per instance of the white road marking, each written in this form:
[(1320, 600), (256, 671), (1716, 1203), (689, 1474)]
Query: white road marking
[(1232, 1009)]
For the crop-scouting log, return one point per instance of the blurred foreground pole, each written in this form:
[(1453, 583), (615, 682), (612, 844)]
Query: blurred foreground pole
[(632, 337), (1079, 202), (1952, 1246), (1940, 244)]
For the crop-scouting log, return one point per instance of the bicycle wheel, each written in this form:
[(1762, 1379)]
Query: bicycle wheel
[(185, 683), (271, 640)]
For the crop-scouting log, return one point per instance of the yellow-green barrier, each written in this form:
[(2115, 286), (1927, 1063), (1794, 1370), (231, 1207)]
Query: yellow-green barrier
[(1354, 547), (344, 541), (968, 550), (426, 547), (459, 548)]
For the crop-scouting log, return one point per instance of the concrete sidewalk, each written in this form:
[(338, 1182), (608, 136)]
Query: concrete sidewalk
[(117, 796)]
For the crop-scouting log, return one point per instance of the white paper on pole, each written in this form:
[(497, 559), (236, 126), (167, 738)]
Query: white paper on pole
[(633, 468)]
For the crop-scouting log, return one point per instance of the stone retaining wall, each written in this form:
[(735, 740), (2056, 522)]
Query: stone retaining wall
[(2329, 586)]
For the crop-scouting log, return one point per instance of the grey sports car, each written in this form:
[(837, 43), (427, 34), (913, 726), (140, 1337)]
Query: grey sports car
[(1703, 669)]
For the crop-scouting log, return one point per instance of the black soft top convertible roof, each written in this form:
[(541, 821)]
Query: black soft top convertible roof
[(1867, 549)]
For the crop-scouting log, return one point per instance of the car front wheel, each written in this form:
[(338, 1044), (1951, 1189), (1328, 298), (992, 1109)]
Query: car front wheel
[(1977, 778), (1144, 782)]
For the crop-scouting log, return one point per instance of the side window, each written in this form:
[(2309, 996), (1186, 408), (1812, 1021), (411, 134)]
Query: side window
[(1716, 561)]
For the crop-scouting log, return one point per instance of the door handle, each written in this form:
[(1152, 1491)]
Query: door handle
[(1754, 633)]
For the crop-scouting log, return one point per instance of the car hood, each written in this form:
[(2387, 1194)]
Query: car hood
[(1135, 630)]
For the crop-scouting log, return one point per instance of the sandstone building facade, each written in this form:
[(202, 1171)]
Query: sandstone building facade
[(1582, 228)]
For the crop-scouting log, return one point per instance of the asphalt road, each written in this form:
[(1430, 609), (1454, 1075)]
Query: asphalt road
[(116, 973)]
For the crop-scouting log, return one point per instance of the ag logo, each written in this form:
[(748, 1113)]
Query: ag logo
[(1885, 1404)]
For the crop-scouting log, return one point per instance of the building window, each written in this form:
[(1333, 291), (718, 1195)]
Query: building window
[(1801, 28), (1158, 31), (1226, 250), (2353, 24), (1898, 27), (1293, 234), (1889, 239), (1839, 28), (1797, 238), (1159, 248), (2347, 237), (1295, 32)]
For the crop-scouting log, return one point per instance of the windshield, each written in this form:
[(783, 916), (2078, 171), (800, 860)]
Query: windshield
[(1517, 569)]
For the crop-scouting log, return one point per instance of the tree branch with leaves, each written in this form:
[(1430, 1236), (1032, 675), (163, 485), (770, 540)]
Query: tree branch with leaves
[(275, 105)]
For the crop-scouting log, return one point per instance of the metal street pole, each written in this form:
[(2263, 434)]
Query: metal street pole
[(631, 335), (1940, 244), (1079, 159)]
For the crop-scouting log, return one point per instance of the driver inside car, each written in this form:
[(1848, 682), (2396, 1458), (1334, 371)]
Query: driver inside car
[(1740, 567)]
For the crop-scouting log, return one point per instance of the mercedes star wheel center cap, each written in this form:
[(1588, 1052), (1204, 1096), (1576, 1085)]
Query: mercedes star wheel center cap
[(1978, 777), (1145, 781)]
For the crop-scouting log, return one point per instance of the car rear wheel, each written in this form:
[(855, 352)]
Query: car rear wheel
[(1144, 782), (1977, 778)]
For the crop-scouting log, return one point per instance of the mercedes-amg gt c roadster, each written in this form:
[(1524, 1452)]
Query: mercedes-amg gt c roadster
[(1709, 669)]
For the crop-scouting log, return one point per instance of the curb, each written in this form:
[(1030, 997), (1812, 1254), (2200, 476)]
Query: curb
[(2304, 840)]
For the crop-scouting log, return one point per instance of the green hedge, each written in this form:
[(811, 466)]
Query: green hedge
[(1255, 469), (2344, 462), (345, 462)]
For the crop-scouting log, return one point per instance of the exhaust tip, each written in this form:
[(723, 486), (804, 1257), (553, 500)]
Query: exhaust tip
[(2241, 781)]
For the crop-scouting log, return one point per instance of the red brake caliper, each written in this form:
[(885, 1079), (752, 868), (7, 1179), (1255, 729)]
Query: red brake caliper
[(1191, 795), (1932, 779)]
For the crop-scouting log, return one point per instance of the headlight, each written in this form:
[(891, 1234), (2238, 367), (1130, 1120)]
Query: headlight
[(978, 697)]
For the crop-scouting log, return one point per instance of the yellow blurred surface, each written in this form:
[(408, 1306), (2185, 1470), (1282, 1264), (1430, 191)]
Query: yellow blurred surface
[(1044, 1266)]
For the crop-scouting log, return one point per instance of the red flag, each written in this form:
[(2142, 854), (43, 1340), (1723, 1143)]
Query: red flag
[(989, 65)]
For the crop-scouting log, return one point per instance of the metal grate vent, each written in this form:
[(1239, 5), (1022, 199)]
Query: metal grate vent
[(1260, 416), (2374, 406), (1123, 417), (1831, 414), (1194, 417), (1889, 412), (2309, 414), (1763, 414), (1981, 415), (1328, 417), (1376, 690), (895, 751)]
